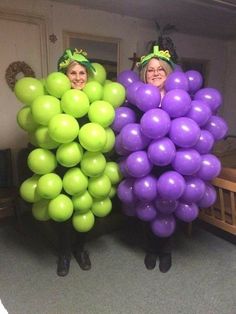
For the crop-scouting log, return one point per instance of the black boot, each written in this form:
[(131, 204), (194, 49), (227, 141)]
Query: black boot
[(63, 265), (82, 258), (165, 262), (150, 260)]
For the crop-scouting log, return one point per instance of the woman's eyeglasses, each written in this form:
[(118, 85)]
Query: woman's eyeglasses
[(158, 70)]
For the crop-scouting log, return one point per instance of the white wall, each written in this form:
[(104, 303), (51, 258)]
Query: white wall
[(134, 34)]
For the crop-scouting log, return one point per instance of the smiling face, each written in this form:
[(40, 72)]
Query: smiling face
[(77, 75), (155, 73)]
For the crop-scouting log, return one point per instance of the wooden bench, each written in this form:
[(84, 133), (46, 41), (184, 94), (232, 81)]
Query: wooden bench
[(223, 213)]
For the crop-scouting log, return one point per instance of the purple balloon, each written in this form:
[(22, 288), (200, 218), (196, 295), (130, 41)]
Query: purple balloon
[(119, 148), (187, 212), (210, 167), (145, 211), (178, 67), (217, 126), (125, 191), (208, 198), (161, 152), (184, 132), (186, 161), (138, 164), (199, 112), (165, 206), (147, 97), (122, 166), (127, 77), (131, 91), (129, 209), (163, 225), (176, 79), (123, 116), (194, 190), (211, 96), (170, 185), (155, 123), (176, 102), (195, 80), (145, 188), (132, 138), (205, 142)]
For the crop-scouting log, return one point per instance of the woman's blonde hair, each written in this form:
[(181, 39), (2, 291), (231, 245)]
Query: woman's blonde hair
[(168, 69), (73, 63)]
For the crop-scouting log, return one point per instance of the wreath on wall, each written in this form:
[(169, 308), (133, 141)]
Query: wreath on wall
[(14, 69)]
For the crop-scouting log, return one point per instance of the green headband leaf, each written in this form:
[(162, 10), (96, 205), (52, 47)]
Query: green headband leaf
[(160, 54), (75, 55)]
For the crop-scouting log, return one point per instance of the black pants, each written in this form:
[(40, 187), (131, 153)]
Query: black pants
[(155, 244), (69, 239)]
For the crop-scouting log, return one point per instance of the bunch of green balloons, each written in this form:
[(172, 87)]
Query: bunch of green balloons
[(70, 129)]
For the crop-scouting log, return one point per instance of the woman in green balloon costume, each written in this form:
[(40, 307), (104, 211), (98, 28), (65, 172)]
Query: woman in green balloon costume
[(76, 66), (68, 119)]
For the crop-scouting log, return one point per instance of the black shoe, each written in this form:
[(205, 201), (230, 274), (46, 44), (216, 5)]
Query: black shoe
[(83, 259), (63, 265), (165, 262), (150, 260)]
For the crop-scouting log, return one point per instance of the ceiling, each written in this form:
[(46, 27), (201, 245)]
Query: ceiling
[(210, 18)]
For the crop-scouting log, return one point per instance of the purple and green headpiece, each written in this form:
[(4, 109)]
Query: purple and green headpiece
[(71, 55)]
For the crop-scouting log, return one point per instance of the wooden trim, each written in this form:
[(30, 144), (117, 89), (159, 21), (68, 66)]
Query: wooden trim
[(225, 184), (67, 35)]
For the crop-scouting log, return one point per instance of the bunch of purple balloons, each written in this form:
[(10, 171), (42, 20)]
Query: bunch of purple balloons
[(166, 148)]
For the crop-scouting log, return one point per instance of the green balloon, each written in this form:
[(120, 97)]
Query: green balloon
[(92, 136), (69, 154), (113, 172), (101, 112), (57, 84), (25, 119), (110, 142), (82, 202), (99, 75), (41, 161), (74, 181), (75, 102), (107, 82), (94, 91), (43, 139), (93, 164), (60, 208), (44, 108), (112, 192), (27, 89), (32, 139), (99, 187), (43, 81), (49, 186), (63, 128), (40, 210), (114, 93), (101, 208), (28, 189), (83, 222)]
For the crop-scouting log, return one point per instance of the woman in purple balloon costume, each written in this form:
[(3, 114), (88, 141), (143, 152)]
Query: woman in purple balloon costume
[(154, 69)]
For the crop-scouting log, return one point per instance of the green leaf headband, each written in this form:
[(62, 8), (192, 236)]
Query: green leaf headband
[(160, 54), (73, 55)]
